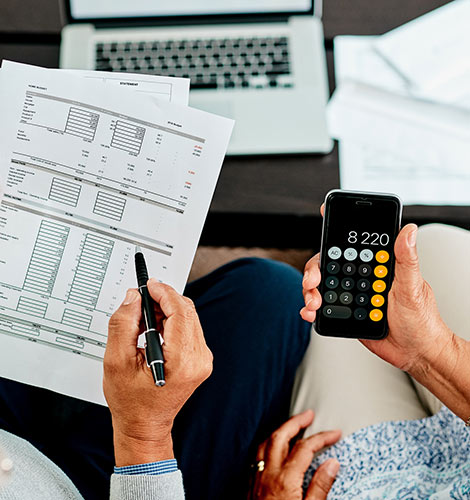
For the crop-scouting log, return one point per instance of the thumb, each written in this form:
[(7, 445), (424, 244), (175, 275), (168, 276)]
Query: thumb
[(124, 327), (323, 480), (407, 274)]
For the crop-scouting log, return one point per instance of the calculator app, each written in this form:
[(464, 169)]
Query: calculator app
[(357, 264)]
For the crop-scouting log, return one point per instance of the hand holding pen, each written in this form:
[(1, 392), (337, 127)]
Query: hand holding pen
[(142, 413)]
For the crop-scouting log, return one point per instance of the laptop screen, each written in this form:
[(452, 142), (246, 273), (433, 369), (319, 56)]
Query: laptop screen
[(103, 9)]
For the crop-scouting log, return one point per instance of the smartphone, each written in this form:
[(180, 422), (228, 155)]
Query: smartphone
[(357, 263)]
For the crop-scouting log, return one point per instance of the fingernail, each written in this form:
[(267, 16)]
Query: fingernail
[(131, 296), (412, 237), (332, 468), (306, 276)]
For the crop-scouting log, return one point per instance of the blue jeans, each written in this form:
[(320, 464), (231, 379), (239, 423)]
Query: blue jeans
[(249, 310)]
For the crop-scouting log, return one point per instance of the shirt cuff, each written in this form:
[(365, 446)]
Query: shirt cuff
[(152, 469)]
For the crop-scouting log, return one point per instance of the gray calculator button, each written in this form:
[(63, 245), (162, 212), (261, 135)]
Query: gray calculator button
[(330, 297), (362, 299), (364, 270), (346, 298), (332, 282), (333, 267), (349, 269), (366, 255), (360, 313), (363, 285), (347, 283), (350, 254), (334, 253), (338, 312)]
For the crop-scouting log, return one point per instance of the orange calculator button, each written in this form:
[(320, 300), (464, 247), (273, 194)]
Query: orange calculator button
[(377, 300), (381, 271), (376, 315), (382, 256), (379, 286)]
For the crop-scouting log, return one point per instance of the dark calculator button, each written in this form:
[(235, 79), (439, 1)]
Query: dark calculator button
[(347, 283), (346, 298), (338, 312), (363, 285), (362, 299), (332, 267), (330, 297), (349, 269), (360, 313), (364, 270), (332, 282)]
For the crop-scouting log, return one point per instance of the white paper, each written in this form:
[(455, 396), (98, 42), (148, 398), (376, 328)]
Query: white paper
[(432, 52), (364, 166), (91, 171)]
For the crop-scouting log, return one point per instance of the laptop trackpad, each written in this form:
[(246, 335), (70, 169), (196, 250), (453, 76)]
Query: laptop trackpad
[(221, 108)]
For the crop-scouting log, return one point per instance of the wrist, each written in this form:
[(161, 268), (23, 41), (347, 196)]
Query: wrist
[(132, 450)]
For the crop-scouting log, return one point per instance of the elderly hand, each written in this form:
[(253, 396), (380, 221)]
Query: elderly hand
[(142, 413), (417, 333), (284, 468)]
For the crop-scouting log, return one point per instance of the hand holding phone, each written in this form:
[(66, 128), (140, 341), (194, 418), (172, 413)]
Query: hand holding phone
[(357, 263)]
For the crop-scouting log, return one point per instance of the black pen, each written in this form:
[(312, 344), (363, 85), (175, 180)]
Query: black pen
[(153, 348)]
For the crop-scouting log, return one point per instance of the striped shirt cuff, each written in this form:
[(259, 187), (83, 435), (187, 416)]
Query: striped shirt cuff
[(152, 469)]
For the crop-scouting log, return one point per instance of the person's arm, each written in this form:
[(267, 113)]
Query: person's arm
[(142, 413), (419, 342)]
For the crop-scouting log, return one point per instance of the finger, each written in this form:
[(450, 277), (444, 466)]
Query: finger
[(312, 274), (312, 299), (322, 210), (260, 454), (407, 273), (169, 300), (302, 454), (323, 480), (277, 448), (124, 327), (307, 315)]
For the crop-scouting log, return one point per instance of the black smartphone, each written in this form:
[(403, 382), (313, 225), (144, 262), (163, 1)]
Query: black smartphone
[(357, 263)]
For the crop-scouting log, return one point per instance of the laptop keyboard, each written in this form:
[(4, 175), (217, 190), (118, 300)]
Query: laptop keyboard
[(210, 63)]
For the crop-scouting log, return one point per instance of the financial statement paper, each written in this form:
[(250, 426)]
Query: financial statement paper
[(91, 171)]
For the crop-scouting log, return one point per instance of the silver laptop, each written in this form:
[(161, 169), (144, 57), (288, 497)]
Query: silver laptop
[(261, 62)]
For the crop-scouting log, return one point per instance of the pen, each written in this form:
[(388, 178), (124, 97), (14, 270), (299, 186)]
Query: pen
[(153, 348)]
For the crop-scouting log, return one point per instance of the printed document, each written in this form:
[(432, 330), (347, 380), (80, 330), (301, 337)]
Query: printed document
[(387, 159), (91, 171)]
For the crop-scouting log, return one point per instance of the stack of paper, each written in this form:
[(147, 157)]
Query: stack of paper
[(93, 165), (402, 109)]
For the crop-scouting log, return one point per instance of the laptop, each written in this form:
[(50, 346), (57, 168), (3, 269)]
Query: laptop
[(260, 62)]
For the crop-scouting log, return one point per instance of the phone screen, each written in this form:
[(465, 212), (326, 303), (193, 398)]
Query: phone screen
[(357, 263)]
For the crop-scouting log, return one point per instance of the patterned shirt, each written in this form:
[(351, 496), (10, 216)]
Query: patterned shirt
[(414, 459)]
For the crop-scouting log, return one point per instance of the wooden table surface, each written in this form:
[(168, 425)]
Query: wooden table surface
[(282, 210)]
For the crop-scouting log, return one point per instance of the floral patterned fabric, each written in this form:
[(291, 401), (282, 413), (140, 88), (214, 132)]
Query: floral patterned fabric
[(414, 459)]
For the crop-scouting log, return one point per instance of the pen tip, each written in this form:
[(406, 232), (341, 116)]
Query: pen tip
[(138, 249)]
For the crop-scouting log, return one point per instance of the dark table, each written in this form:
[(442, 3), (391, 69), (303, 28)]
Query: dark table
[(282, 209)]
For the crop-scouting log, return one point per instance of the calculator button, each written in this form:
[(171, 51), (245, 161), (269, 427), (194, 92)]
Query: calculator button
[(362, 299), (366, 255), (349, 269), (360, 313), (332, 267), (346, 298), (339, 312), (350, 254), (379, 286), (377, 300), (376, 315), (334, 253), (363, 285), (347, 283), (364, 270), (382, 256), (330, 297), (332, 282), (381, 271)]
